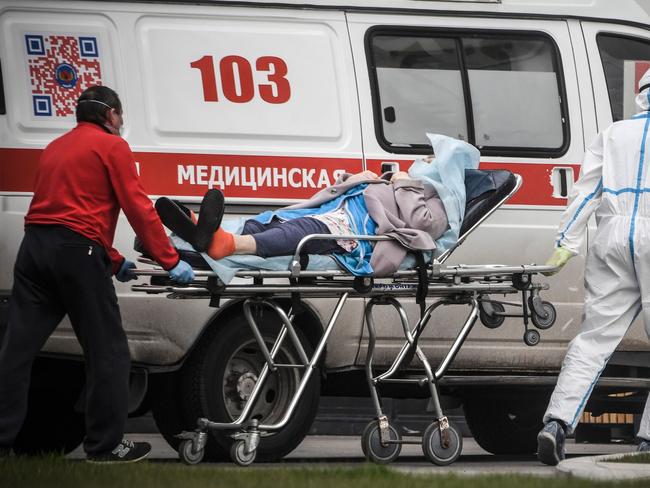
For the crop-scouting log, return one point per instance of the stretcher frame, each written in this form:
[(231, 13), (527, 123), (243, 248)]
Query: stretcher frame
[(449, 285)]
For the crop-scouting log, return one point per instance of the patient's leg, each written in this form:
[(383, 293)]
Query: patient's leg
[(273, 239)]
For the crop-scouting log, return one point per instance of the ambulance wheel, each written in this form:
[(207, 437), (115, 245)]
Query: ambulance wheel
[(492, 321), (432, 447), (239, 455), (374, 450), (544, 322), (223, 369), (506, 421), (187, 454), (531, 337)]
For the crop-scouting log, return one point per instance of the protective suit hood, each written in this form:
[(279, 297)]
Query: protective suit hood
[(643, 98)]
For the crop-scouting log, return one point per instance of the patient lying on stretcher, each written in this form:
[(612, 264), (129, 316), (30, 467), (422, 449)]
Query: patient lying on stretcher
[(358, 204), (407, 206)]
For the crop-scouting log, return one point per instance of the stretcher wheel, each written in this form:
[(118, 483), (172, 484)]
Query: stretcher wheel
[(187, 454), (544, 322), (531, 337), (372, 447), (239, 455), (492, 321), (433, 449)]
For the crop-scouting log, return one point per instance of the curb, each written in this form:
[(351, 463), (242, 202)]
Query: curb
[(598, 468)]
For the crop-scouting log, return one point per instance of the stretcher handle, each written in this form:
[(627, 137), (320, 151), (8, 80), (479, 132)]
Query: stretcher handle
[(295, 262)]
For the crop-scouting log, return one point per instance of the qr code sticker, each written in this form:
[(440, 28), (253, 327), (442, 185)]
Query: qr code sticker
[(60, 68)]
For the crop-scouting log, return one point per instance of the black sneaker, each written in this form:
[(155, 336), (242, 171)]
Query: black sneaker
[(125, 452), (550, 443)]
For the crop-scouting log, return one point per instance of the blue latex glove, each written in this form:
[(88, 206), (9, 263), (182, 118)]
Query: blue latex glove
[(125, 273), (182, 273)]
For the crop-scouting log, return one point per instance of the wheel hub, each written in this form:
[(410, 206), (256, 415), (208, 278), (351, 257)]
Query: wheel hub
[(245, 384)]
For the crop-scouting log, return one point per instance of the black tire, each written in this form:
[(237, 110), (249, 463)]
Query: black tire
[(547, 322), (227, 360), (372, 448), (187, 454), (493, 321), (51, 424), (532, 337), (239, 455), (507, 422), (433, 450)]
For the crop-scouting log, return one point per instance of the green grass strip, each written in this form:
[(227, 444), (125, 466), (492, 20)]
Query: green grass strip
[(58, 472)]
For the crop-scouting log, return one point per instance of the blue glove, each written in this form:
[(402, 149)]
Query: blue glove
[(182, 273), (125, 274)]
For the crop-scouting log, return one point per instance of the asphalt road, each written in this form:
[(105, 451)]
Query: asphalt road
[(341, 451)]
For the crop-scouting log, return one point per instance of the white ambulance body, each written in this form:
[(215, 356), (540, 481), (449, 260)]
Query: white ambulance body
[(267, 101)]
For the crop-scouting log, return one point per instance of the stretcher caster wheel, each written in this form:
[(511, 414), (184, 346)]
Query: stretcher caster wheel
[(433, 449), (531, 337), (547, 320), (492, 321), (187, 453), (374, 450), (239, 454)]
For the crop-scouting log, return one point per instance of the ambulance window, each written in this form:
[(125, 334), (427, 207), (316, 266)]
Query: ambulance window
[(420, 88), (501, 92), (624, 62), (514, 90)]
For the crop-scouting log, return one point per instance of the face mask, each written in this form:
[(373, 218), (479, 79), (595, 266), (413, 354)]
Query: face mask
[(113, 130)]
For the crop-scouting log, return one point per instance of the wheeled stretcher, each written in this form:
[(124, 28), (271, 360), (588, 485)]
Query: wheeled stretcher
[(430, 281)]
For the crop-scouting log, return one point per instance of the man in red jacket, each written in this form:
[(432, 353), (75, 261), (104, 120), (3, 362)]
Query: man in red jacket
[(65, 266)]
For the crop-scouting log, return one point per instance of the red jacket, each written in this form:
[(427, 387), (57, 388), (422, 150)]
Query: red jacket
[(83, 179)]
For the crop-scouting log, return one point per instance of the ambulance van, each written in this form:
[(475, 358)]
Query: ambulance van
[(268, 101)]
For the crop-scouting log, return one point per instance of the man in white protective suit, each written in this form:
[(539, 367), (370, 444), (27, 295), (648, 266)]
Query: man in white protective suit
[(615, 183)]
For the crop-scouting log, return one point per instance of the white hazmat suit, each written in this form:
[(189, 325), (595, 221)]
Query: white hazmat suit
[(615, 184)]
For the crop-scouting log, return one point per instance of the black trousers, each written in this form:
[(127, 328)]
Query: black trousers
[(60, 272)]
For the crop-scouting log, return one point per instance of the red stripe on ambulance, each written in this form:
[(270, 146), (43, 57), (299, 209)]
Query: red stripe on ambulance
[(260, 177)]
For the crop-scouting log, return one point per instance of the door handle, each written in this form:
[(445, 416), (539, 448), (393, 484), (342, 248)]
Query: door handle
[(562, 181)]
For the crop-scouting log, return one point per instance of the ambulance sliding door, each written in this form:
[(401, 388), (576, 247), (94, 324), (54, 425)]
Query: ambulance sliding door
[(509, 87)]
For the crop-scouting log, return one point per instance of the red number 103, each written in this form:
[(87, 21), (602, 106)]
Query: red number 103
[(241, 88)]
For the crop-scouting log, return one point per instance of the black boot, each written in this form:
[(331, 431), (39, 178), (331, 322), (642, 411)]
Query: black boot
[(210, 216), (177, 220)]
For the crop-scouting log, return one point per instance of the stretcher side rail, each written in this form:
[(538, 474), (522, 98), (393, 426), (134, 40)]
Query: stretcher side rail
[(435, 272)]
